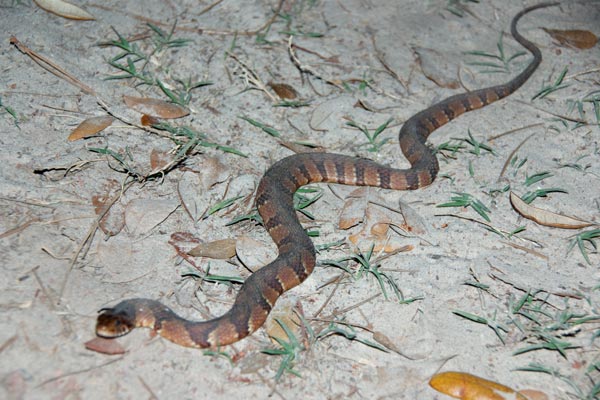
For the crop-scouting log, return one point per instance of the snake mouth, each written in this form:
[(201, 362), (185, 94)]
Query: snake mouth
[(112, 324)]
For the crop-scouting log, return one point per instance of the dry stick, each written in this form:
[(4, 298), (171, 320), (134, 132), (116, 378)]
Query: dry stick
[(148, 388), (252, 78), (338, 281), (350, 308), (307, 68), (50, 66), (383, 62), (210, 7), (81, 371), (576, 120), (511, 155), (90, 235), (7, 343), (486, 224), (527, 250)]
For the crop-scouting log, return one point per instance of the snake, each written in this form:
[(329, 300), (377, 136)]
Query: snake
[(296, 253)]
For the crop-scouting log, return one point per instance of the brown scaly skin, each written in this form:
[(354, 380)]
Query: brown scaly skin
[(274, 199)]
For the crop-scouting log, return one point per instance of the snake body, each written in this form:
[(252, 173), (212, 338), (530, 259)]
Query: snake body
[(274, 200)]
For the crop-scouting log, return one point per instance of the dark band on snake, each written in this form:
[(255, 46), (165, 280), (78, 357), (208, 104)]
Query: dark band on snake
[(274, 200)]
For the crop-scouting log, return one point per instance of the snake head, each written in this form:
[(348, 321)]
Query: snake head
[(115, 322)]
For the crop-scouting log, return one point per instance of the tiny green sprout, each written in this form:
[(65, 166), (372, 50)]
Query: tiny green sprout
[(11, 112), (535, 178), (367, 266), (468, 200), (583, 238), (348, 332), (494, 63), (457, 8), (372, 137), (476, 146), (289, 351), (529, 197), (497, 327), (304, 197), (163, 39), (267, 129), (222, 205), (557, 85)]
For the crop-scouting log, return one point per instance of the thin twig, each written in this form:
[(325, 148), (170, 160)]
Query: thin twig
[(89, 236), (50, 66)]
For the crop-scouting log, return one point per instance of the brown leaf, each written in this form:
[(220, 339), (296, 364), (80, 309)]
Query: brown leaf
[(90, 127), (461, 385), (64, 9), (143, 215), (159, 159), (436, 68), (254, 254), (283, 90), (353, 212), (149, 120), (219, 249), (155, 107), (544, 217), (104, 346), (577, 38)]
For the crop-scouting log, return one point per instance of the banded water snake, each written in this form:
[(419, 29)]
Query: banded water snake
[(274, 200)]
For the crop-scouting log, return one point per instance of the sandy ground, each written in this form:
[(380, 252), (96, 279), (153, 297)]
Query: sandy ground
[(58, 269)]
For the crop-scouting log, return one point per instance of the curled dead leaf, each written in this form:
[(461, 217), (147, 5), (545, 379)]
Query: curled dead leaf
[(544, 217), (219, 249), (577, 38), (155, 107), (90, 127), (64, 9), (464, 386)]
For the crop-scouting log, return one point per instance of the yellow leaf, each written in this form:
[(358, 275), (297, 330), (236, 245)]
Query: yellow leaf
[(64, 9), (90, 127), (544, 217)]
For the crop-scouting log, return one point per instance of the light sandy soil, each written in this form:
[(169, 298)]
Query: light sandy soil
[(58, 270)]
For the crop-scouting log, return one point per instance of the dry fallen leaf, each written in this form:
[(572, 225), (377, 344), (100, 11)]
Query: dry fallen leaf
[(143, 215), (253, 253), (577, 38), (149, 120), (219, 249), (64, 9), (436, 68), (353, 211), (283, 90), (544, 217), (160, 159), (155, 107), (461, 385), (90, 127), (104, 346)]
